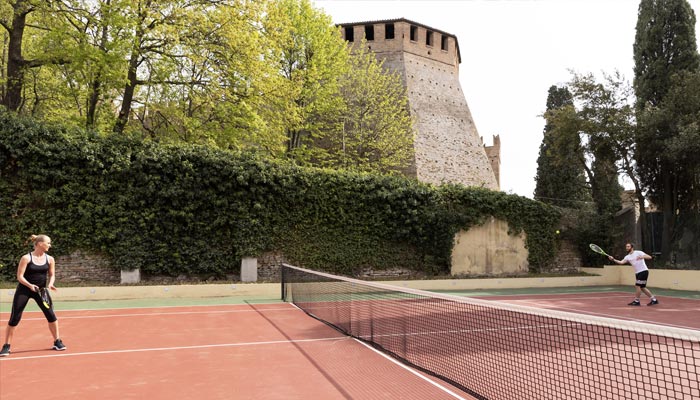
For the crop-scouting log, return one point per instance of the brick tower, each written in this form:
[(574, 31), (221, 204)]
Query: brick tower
[(447, 147)]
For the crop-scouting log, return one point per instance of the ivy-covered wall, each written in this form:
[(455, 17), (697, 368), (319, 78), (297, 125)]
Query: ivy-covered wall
[(192, 210)]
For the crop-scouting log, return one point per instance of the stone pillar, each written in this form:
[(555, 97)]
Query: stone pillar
[(249, 269), (133, 276)]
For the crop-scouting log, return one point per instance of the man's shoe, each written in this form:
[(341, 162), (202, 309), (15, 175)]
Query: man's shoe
[(5, 350), (634, 303), (653, 302), (58, 345)]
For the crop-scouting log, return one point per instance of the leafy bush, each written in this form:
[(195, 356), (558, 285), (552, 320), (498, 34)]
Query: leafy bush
[(184, 209)]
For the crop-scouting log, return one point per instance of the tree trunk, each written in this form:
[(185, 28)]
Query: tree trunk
[(667, 206), (128, 96), (643, 230), (15, 61), (96, 86), (93, 99)]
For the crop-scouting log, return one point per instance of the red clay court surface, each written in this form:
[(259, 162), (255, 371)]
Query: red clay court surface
[(263, 351), (672, 311), (252, 351)]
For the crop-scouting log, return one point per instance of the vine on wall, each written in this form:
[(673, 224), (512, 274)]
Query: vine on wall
[(172, 210)]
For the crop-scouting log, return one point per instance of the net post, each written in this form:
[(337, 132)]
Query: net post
[(283, 279)]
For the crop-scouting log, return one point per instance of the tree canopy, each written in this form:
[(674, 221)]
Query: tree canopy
[(266, 75), (560, 166), (665, 52)]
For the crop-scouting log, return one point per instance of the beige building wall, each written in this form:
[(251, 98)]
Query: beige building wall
[(488, 249)]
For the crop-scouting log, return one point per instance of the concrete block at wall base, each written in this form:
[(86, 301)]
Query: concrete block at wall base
[(249, 269), (133, 276)]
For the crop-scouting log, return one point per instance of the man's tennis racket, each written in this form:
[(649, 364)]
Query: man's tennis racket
[(598, 250), (45, 298)]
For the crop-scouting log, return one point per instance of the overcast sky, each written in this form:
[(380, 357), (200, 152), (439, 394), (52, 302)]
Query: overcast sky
[(512, 52)]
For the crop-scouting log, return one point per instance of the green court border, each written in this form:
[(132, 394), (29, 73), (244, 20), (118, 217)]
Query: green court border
[(233, 300)]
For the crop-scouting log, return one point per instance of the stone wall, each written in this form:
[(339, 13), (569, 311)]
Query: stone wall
[(489, 250), (494, 154), (568, 258), (85, 267), (269, 266), (447, 146)]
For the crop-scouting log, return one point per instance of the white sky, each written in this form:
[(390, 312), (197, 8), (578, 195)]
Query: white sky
[(512, 52)]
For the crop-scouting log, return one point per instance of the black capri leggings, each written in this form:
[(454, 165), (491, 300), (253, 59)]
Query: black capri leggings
[(19, 302)]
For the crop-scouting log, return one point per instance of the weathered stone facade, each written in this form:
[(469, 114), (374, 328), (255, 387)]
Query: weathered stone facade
[(82, 267), (494, 154), (447, 145)]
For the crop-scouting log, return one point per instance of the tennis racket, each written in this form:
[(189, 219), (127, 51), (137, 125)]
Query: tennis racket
[(45, 298), (598, 250)]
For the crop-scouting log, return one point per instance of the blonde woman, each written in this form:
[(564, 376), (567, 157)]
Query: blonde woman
[(36, 272)]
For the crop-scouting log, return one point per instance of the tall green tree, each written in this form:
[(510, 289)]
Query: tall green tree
[(377, 130), (229, 83), (17, 17), (665, 45), (84, 91), (607, 114), (560, 178), (310, 56)]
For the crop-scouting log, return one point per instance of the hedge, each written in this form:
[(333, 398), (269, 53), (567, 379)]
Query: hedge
[(195, 210)]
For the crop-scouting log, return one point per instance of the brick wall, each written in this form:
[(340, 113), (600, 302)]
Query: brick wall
[(85, 267), (269, 265), (568, 258)]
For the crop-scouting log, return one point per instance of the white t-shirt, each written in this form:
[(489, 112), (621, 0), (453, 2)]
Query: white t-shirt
[(638, 264)]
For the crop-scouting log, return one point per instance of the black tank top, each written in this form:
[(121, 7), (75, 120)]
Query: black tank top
[(36, 274)]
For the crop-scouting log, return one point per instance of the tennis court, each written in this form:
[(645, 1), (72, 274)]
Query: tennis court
[(246, 351), (523, 346)]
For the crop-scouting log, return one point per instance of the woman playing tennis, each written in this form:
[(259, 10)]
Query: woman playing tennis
[(33, 272)]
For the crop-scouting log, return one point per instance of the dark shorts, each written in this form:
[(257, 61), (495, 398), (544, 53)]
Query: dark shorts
[(642, 278)]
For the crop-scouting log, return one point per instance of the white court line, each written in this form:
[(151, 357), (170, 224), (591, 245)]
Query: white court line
[(402, 365), (535, 298), (621, 317), (61, 316), (154, 314), (206, 346), (149, 307), (411, 370)]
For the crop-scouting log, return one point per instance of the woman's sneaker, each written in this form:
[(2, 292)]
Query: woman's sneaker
[(58, 345), (5, 350), (634, 303), (653, 302)]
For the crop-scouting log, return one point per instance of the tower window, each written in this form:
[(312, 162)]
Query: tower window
[(369, 32), (443, 42), (389, 31), (429, 38), (350, 33), (414, 33)]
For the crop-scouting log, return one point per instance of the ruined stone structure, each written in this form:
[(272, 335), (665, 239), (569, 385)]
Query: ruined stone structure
[(494, 155), (447, 146)]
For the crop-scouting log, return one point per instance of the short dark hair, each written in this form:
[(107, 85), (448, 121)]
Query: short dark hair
[(631, 244)]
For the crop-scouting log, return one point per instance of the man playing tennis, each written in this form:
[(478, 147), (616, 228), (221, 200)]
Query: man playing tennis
[(636, 259)]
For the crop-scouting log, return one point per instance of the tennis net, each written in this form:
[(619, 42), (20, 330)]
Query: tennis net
[(494, 350)]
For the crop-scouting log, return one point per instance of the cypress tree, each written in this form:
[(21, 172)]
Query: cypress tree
[(665, 46), (560, 175)]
